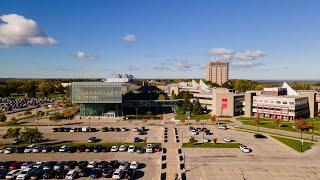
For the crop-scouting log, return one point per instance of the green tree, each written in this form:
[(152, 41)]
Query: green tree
[(161, 97), (196, 108), (29, 88), (3, 117), (257, 120), (31, 135), (12, 133)]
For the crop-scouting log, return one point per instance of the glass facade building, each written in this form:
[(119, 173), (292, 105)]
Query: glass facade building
[(97, 98)]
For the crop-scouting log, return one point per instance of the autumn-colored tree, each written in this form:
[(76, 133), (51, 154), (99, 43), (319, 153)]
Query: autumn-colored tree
[(183, 120), (213, 118), (277, 122), (257, 120), (302, 125), (197, 120)]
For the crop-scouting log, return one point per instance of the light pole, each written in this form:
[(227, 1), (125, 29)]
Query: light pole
[(137, 113), (312, 129), (301, 144)]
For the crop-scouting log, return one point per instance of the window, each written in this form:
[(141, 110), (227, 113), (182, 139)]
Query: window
[(278, 102), (284, 102), (291, 103)]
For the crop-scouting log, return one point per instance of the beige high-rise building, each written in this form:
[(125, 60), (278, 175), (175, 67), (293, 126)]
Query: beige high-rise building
[(217, 72)]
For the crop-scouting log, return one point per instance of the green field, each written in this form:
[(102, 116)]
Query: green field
[(286, 125), (211, 145), (294, 143)]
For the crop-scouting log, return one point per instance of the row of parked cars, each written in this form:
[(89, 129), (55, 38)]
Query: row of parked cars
[(88, 129), (9, 104), (150, 148), (70, 169)]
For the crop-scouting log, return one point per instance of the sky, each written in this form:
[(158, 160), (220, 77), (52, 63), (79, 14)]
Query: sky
[(265, 39)]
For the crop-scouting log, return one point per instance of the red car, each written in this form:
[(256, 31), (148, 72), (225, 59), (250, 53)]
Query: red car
[(157, 148), (15, 165)]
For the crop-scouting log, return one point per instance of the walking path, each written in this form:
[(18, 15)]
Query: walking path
[(172, 169)]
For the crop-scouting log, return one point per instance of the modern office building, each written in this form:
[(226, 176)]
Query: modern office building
[(112, 99), (217, 72), (97, 98)]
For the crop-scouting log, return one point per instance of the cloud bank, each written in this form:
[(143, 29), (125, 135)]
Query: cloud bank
[(16, 30)]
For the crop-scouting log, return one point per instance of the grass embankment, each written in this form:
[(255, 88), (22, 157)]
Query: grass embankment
[(286, 125), (211, 145), (193, 116), (294, 143)]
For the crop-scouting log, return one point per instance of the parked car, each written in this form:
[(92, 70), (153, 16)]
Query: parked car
[(123, 148), (48, 165), (96, 173), (131, 148), (134, 165), (114, 149), (63, 148), (107, 173), (140, 150), (245, 149), (25, 173), (124, 165), (222, 126), (15, 141), (29, 148), (92, 139), (13, 174), (37, 174), (59, 166), (194, 132), (8, 150), (48, 174), (136, 139), (84, 172), (38, 164), (157, 148), (149, 148), (117, 174), (27, 165), (135, 129), (61, 174), (105, 129), (15, 165), (92, 164), (72, 174), (70, 165), (227, 139), (124, 129)]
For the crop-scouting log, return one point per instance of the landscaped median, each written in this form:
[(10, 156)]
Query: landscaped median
[(211, 145), (294, 143)]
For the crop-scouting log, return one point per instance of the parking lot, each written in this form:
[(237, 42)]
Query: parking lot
[(269, 159)]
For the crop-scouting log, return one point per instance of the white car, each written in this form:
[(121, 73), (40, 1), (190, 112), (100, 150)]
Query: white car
[(245, 149), (124, 165), (71, 130), (224, 127), (7, 151), (62, 149), (227, 139), (13, 174), (25, 173), (134, 165), (123, 129), (131, 149), (206, 140), (38, 164), (72, 174), (114, 149), (36, 149), (194, 132), (27, 165), (123, 148), (29, 148), (117, 174), (149, 148), (92, 164), (1, 150), (135, 129)]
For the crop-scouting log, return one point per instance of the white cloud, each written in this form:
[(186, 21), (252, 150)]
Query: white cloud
[(186, 64), (221, 51), (249, 55), (167, 62), (84, 56), (16, 30), (245, 64), (129, 37), (161, 68), (133, 68)]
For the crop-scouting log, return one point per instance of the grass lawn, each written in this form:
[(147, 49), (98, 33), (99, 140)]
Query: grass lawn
[(286, 125), (211, 145), (193, 116), (294, 144)]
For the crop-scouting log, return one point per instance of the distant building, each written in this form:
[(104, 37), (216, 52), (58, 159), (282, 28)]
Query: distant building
[(220, 101), (280, 103), (119, 78), (217, 72)]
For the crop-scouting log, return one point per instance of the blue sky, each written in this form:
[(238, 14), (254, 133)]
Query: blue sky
[(159, 39)]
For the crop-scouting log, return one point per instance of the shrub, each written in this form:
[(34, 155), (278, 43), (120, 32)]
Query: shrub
[(31, 135), (192, 140), (215, 140), (12, 133), (3, 117)]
